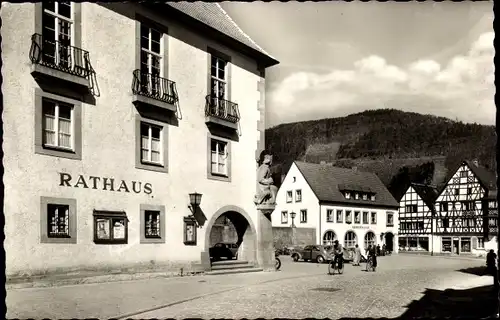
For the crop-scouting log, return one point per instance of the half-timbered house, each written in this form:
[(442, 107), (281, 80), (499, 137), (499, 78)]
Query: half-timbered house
[(466, 218), (416, 212)]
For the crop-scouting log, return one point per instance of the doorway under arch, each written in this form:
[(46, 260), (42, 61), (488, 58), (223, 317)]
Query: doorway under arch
[(233, 227), (369, 239), (329, 237), (389, 241)]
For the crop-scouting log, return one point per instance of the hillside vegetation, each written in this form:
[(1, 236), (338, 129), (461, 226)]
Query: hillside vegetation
[(385, 142)]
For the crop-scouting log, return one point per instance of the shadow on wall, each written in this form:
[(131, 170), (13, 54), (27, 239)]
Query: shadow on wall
[(475, 303)]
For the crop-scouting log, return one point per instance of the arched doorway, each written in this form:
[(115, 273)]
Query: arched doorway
[(369, 239), (329, 237), (232, 227), (389, 241), (350, 239)]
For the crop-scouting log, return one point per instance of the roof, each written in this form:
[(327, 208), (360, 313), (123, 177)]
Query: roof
[(212, 15), (427, 193), (486, 178), (325, 180)]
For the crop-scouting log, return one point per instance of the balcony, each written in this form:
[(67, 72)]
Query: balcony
[(154, 91), (57, 64), (221, 112)]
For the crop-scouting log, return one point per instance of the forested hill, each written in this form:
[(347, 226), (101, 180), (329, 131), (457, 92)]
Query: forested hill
[(383, 141)]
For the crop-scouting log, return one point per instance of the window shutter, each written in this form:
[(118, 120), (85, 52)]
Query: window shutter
[(474, 243)]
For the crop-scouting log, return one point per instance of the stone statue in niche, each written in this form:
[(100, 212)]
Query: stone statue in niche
[(266, 190)]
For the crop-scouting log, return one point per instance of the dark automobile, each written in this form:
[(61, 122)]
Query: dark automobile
[(224, 250)]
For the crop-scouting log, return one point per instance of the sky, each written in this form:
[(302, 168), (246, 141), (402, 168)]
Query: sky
[(340, 58)]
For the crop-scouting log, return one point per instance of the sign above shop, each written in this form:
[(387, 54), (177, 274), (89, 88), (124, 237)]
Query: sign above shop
[(360, 227), (102, 183)]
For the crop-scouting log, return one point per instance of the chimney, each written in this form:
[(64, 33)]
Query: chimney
[(475, 162), (354, 169)]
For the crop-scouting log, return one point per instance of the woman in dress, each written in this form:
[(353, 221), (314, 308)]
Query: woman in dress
[(357, 256)]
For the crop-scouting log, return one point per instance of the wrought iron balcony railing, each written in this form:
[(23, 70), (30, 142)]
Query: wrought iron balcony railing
[(60, 56), (222, 109), (154, 87)]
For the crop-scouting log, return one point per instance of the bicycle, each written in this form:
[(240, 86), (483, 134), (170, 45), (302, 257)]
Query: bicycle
[(369, 264), (339, 266), (278, 263)]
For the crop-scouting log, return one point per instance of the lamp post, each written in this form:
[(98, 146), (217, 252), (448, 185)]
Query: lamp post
[(292, 215)]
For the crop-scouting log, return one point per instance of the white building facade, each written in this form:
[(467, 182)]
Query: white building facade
[(114, 114), (341, 204)]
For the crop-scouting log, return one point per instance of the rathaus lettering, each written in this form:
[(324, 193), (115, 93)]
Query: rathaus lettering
[(104, 184)]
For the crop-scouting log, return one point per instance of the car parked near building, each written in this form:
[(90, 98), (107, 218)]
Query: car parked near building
[(316, 253), (224, 250)]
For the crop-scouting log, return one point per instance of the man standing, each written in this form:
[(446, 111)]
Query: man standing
[(357, 256), (491, 266)]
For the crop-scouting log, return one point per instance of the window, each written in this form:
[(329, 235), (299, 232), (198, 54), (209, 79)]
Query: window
[(298, 195), (390, 219), (463, 174), (110, 227), (58, 125), (289, 196), (303, 216), (57, 30), (365, 196), (58, 220), (465, 245), (374, 218), (492, 204), (420, 225), (350, 239), (356, 196), (372, 197), (152, 223), (468, 206), (329, 215), (469, 190), (219, 156), (151, 144), (357, 217), (329, 237), (339, 216), (151, 59), (457, 191), (480, 242), (294, 179), (365, 217), (218, 80), (369, 239), (446, 244), (348, 216), (284, 217), (411, 208), (348, 195), (443, 206)]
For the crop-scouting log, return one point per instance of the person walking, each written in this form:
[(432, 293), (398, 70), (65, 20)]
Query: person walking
[(491, 268), (357, 256), (378, 250)]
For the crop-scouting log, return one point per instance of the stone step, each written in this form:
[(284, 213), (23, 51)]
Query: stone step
[(229, 262), (233, 271), (232, 266)]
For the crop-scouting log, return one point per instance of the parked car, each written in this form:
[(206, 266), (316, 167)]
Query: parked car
[(316, 253), (223, 250)]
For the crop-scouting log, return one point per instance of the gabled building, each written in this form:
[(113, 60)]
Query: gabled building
[(351, 206), (416, 212), (467, 216), (117, 117)]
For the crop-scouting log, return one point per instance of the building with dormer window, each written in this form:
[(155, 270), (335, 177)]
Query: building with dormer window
[(342, 204), (117, 117)]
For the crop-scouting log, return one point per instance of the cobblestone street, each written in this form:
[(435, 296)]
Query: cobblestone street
[(299, 290)]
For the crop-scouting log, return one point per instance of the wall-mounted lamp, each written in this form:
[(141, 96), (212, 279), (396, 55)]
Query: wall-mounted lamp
[(292, 215), (190, 222), (194, 201)]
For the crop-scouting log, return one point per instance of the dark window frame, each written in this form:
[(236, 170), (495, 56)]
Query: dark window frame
[(44, 223), (161, 210)]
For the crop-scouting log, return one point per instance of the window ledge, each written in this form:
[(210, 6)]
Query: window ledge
[(151, 166), (58, 152), (152, 240), (48, 74), (60, 240), (219, 177)]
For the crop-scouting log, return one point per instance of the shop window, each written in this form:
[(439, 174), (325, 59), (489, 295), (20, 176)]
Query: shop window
[(446, 244), (58, 220), (465, 245), (110, 227)]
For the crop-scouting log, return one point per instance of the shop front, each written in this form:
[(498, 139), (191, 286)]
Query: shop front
[(414, 243)]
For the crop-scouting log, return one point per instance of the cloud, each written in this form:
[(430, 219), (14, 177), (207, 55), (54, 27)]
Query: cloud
[(462, 88)]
